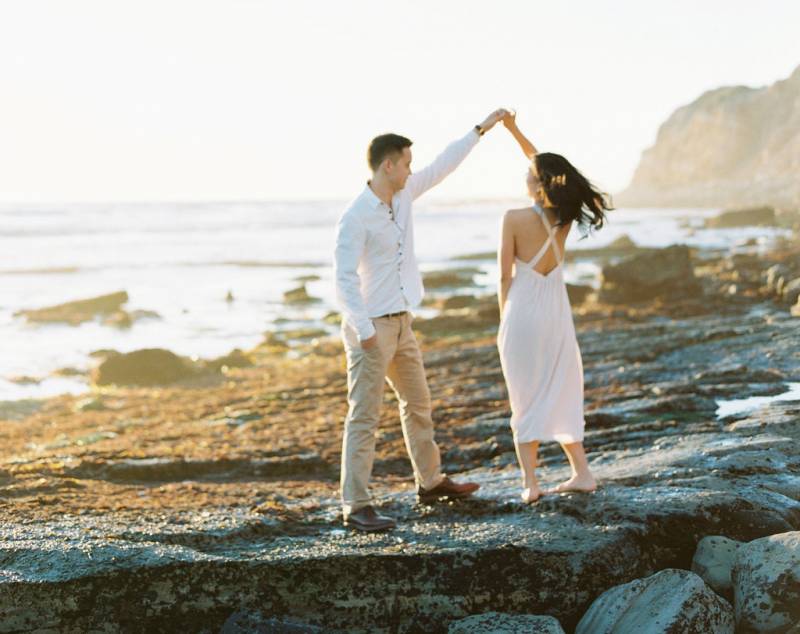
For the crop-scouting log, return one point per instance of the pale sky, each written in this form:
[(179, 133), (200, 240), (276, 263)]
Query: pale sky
[(104, 100)]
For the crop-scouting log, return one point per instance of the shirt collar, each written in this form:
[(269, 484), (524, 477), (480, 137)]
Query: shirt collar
[(371, 197)]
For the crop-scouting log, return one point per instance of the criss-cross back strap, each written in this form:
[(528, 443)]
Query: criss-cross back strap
[(551, 240)]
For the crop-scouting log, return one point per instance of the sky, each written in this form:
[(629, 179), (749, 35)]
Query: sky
[(195, 100)]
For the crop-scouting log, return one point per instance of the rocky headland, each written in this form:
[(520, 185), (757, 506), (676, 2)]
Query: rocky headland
[(207, 501), (732, 146)]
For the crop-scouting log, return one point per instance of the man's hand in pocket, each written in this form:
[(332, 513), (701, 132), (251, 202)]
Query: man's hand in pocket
[(369, 344)]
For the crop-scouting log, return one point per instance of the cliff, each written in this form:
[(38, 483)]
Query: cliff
[(732, 146)]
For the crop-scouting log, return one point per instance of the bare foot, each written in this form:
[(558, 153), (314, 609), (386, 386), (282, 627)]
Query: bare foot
[(583, 484), (531, 494)]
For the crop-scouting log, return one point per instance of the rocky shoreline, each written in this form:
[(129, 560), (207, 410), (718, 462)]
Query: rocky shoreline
[(209, 503)]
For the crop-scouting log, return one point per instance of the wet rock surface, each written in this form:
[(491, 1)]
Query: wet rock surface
[(668, 601), (766, 580), (179, 506), (79, 311), (713, 562), (506, 624)]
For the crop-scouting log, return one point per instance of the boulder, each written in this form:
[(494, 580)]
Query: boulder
[(791, 291), (79, 311), (713, 561), (299, 295), (662, 273), (234, 359), (152, 366), (578, 293), (755, 216), (450, 278), (669, 601), (498, 623), (766, 583)]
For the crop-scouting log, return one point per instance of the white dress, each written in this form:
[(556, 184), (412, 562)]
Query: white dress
[(539, 352)]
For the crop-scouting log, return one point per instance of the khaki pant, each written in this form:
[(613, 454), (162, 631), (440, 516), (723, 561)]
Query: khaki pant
[(397, 359)]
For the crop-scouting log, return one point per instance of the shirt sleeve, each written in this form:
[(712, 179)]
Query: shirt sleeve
[(452, 156), (351, 238)]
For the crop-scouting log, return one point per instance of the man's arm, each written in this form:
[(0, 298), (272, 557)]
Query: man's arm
[(351, 238), (452, 156)]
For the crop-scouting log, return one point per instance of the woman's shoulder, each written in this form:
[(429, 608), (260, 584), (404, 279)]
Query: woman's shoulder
[(515, 214)]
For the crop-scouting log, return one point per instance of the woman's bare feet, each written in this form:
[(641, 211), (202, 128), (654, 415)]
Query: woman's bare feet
[(531, 494), (584, 483)]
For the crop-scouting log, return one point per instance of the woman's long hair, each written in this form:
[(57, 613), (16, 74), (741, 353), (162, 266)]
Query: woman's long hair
[(570, 194)]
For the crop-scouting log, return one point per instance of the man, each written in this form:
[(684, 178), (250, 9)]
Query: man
[(377, 284)]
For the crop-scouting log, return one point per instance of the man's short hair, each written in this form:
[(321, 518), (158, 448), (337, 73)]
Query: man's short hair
[(383, 146)]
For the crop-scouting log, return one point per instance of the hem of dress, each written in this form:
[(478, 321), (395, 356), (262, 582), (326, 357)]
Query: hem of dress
[(560, 438)]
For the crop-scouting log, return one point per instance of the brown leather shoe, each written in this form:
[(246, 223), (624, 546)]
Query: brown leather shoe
[(447, 489), (368, 519)]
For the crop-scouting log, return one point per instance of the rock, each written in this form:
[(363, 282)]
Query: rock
[(153, 366), (256, 623), (90, 404), (304, 333), (732, 146), (68, 372), (302, 279), (77, 312), (498, 623), (25, 380), (272, 342), (795, 310), (19, 410), (755, 216), (299, 295), (772, 276), (713, 561), (229, 297), (458, 301), (623, 242), (791, 291), (663, 273), (669, 601), (118, 319), (578, 293), (234, 359), (333, 318), (766, 583), (450, 278)]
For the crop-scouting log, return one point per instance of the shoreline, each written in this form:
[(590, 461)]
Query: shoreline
[(175, 500)]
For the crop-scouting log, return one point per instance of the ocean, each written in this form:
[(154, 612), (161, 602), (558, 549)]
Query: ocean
[(182, 260)]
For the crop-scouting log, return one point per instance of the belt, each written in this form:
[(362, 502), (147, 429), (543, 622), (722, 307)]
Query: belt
[(402, 312)]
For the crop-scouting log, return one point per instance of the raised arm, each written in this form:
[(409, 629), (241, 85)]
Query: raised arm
[(505, 260), (350, 240), (510, 122), (452, 156)]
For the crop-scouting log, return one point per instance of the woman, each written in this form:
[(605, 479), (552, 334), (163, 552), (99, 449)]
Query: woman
[(539, 352)]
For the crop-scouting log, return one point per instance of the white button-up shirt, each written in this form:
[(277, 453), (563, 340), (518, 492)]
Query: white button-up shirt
[(375, 267)]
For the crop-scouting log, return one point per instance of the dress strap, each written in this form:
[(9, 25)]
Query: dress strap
[(550, 238)]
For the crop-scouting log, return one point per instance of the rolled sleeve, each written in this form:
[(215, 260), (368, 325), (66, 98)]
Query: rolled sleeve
[(452, 156), (351, 239)]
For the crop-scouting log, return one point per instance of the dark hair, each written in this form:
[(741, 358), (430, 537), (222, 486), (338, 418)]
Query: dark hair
[(570, 194), (385, 145)]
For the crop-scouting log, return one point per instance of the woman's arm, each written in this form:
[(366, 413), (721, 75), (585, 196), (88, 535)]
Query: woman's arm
[(505, 260), (509, 121)]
